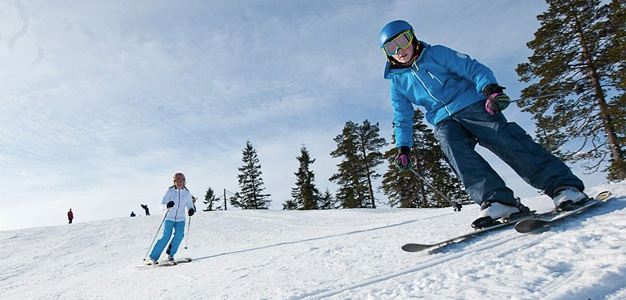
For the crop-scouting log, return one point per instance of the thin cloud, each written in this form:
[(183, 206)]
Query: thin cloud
[(104, 101)]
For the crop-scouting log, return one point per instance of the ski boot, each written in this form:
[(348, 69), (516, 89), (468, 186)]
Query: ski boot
[(568, 197), (493, 213)]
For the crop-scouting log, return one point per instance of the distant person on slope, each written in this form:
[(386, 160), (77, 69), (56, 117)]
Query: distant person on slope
[(178, 202), (145, 207), (70, 216), (463, 101)]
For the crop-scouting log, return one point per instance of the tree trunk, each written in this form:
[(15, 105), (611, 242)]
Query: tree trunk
[(370, 188), (607, 120)]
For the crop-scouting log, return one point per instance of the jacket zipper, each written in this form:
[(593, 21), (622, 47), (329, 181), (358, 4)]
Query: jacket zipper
[(413, 70), (434, 77), (177, 206)]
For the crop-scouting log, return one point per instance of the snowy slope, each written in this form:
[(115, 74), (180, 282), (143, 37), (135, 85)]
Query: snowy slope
[(344, 254)]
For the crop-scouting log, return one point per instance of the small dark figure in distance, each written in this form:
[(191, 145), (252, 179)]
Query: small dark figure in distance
[(145, 207)]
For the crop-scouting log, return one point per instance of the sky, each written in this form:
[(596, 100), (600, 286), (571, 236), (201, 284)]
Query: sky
[(103, 101)]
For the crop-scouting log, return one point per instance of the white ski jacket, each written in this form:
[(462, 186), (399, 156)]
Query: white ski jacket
[(182, 203)]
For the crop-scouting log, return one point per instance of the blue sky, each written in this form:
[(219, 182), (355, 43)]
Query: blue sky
[(103, 101)]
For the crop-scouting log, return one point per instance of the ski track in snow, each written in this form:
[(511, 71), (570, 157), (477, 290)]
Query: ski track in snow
[(345, 254), (559, 288), (312, 239)]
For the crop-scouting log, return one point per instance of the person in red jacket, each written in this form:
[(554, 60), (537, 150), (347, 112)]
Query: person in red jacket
[(70, 216)]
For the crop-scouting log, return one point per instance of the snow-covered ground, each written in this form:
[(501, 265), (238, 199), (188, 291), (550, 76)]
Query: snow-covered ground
[(340, 254)]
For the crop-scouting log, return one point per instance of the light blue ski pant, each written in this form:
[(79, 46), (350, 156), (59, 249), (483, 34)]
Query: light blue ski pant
[(179, 233), (458, 136)]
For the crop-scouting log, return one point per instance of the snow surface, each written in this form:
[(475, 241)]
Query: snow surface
[(339, 254)]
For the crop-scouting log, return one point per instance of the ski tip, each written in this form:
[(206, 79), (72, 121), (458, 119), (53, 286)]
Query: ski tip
[(603, 195), (415, 247), (529, 225)]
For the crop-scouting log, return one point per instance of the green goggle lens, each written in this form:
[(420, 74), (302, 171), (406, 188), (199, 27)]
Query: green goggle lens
[(402, 41)]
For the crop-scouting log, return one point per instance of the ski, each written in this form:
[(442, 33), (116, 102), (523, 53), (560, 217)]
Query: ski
[(531, 224), (414, 247), (168, 263), (176, 262), (523, 223)]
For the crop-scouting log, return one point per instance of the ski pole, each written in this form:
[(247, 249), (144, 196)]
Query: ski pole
[(540, 97), (157, 234), (578, 89), (187, 238), (432, 187)]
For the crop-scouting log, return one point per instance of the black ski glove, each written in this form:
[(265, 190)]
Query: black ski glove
[(170, 204), (402, 160), (191, 212), (497, 100)]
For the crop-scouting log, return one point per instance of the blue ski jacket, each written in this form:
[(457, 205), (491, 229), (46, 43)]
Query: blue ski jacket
[(441, 80)]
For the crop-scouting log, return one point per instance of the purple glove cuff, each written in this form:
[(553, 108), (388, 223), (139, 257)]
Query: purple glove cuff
[(495, 95), (492, 105), (403, 159)]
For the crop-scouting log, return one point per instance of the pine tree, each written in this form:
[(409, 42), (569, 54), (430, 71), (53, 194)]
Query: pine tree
[(579, 43), (209, 199), (401, 188), (615, 54), (251, 195), (290, 204), (327, 201), (348, 178), (370, 145), (407, 191), (359, 145), (305, 194)]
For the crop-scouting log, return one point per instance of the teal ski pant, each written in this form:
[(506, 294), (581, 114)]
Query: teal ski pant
[(458, 136), (179, 233)]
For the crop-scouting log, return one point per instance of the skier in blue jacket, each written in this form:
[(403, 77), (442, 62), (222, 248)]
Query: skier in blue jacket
[(179, 203), (463, 101)]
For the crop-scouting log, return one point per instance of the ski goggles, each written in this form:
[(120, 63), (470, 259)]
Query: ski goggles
[(401, 41)]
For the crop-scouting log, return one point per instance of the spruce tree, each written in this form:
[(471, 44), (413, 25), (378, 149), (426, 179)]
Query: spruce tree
[(305, 194), (580, 44), (370, 146), (290, 204), (402, 188), (209, 199), (405, 190), (349, 176), (251, 195), (615, 54), (327, 201), (359, 145)]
